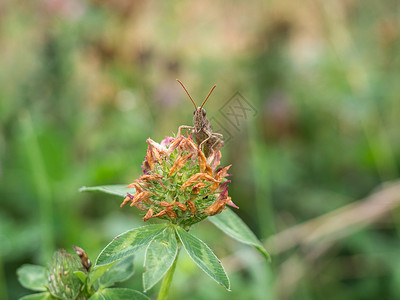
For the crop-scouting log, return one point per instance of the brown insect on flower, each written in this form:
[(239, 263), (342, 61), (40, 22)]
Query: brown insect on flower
[(201, 129)]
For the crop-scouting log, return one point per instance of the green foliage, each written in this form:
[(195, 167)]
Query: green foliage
[(161, 253), (81, 275), (115, 262), (204, 257), (60, 280), (128, 243), (32, 277), (118, 189), (120, 271), (162, 245), (233, 226), (39, 296), (118, 293)]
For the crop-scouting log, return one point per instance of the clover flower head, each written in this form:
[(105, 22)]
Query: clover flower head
[(179, 183), (62, 282)]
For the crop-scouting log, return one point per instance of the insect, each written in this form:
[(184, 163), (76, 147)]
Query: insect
[(202, 130), (85, 261)]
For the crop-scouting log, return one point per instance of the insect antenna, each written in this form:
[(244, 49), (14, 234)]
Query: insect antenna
[(195, 106), (208, 95)]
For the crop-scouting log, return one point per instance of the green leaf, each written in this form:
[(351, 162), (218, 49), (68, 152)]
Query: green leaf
[(160, 255), (40, 296), (32, 277), (232, 225), (81, 275), (118, 189), (118, 294), (204, 257), (97, 271), (121, 271), (128, 243)]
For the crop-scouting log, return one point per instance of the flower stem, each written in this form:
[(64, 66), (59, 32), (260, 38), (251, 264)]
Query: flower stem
[(162, 295)]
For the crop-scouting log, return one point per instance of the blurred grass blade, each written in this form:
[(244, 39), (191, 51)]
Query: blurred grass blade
[(232, 225), (42, 183), (160, 255), (118, 189), (128, 243), (32, 277), (118, 294), (204, 257)]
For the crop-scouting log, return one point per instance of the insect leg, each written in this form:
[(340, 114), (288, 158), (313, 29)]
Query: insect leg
[(219, 140), (218, 135), (183, 127), (209, 136)]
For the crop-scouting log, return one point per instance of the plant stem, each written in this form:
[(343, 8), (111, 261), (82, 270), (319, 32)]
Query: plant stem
[(162, 295)]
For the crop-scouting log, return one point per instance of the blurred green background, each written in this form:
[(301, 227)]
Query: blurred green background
[(83, 84)]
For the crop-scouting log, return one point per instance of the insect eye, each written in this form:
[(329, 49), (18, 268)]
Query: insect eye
[(203, 112), (194, 112)]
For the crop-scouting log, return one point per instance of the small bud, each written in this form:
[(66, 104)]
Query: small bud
[(143, 196), (161, 214), (170, 213), (150, 159), (197, 177), (222, 173), (217, 207), (126, 201), (156, 154), (174, 145), (181, 206), (204, 166), (149, 214), (179, 164), (197, 188), (135, 186), (153, 177), (160, 148), (190, 146), (165, 204), (192, 207)]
